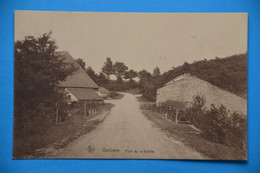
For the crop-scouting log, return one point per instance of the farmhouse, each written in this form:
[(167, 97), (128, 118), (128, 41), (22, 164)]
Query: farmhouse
[(79, 86), (183, 88)]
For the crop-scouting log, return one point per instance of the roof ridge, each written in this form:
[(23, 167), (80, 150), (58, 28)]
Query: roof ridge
[(79, 78)]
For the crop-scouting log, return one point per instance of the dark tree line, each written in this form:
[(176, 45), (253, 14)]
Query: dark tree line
[(121, 71), (228, 73)]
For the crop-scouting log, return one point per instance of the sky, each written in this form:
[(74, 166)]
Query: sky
[(140, 40)]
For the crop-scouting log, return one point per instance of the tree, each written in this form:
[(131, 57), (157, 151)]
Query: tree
[(156, 72), (92, 74), (143, 74), (130, 74), (198, 102), (120, 68), (38, 71), (144, 77), (81, 63), (102, 78), (108, 67)]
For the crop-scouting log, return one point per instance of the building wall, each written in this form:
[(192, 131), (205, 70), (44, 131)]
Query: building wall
[(185, 89)]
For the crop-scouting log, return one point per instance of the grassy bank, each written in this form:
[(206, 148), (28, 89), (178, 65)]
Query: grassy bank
[(134, 91), (192, 137), (115, 95), (59, 135)]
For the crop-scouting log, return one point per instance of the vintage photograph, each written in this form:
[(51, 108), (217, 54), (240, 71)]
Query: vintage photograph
[(105, 85)]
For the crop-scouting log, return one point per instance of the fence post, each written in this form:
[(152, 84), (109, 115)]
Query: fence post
[(57, 113), (85, 107), (176, 117)]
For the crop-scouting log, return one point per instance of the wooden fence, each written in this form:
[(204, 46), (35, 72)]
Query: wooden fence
[(173, 110), (84, 108)]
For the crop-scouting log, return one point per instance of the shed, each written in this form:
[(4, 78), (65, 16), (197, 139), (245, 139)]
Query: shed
[(103, 92)]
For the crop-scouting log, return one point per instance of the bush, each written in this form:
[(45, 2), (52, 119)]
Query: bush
[(150, 93), (218, 124), (113, 94), (123, 86)]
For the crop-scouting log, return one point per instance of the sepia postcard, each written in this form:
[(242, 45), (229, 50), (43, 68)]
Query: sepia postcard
[(105, 85)]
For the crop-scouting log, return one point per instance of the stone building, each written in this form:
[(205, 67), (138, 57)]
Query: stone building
[(183, 88)]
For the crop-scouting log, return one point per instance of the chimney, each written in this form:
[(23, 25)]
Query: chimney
[(186, 75)]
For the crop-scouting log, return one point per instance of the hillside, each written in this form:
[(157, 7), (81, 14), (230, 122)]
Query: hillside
[(228, 73)]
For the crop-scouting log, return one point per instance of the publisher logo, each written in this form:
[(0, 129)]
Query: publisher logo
[(91, 148)]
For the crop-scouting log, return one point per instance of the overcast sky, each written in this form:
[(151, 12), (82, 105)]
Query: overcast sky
[(140, 40)]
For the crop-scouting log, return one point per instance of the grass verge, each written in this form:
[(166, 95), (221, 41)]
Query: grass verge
[(192, 138), (115, 95), (59, 135), (134, 91)]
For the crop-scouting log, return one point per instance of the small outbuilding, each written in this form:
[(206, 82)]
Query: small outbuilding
[(103, 92)]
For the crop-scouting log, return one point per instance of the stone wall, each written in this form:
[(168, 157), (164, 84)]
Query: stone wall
[(185, 89)]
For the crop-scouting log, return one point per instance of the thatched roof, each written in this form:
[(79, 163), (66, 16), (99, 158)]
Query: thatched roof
[(79, 79), (84, 94), (103, 90)]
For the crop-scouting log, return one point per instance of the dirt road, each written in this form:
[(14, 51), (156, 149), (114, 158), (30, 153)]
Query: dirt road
[(127, 133)]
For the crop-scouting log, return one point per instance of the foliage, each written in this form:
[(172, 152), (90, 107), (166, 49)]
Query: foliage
[(81, 63), (38, 72), (218, 124), (146, 85), (124, 86), (108, 68), (100, 78), (196, 109), (115, 95), (145, 78), (130, 74), (190, 137), (198, 102), (143, 74), (149, 92), (91, 73), (120, 69), (228, 73), (118, 85), (156, 72)]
